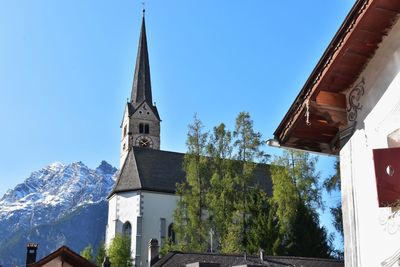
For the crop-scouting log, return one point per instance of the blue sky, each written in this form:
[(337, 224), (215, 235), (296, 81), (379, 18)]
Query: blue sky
[(66, 70)]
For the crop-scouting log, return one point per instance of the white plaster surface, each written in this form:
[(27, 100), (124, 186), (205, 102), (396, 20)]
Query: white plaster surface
[(372, 234), (151, 206)]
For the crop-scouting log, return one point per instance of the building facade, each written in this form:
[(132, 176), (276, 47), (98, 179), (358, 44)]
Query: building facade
[(350, 107), (142, 202)]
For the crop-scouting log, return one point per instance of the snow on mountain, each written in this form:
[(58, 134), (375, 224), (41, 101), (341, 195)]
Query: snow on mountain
[(52, 193)]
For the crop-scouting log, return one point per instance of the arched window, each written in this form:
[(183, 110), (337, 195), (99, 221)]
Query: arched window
[(171, 233), (146, 129), (125, 132), (141, 128), (127, 229)]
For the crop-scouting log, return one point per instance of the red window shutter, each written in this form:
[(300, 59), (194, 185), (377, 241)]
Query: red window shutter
[(387, 173)]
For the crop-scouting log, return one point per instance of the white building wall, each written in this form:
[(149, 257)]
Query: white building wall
[(155, 207), (122, 208), (372, 234), (150, 207)]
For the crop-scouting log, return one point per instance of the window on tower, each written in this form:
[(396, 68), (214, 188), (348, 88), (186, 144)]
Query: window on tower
[(125, 130), (141, 129), (146, 129)]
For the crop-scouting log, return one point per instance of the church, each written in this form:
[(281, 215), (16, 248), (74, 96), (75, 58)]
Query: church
[(143, 200)]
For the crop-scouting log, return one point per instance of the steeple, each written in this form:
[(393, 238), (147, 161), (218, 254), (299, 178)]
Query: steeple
[(140, 124), (141, 87)]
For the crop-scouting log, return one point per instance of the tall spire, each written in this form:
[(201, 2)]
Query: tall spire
[(141, 88)]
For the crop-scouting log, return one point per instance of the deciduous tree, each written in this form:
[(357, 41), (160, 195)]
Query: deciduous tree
[(120, 251), (87, 252)]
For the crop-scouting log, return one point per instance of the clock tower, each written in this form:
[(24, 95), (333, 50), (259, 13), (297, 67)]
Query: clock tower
[(141, 123)]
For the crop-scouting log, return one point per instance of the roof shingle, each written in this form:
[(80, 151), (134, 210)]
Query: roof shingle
[(180, 259), (160, 171)]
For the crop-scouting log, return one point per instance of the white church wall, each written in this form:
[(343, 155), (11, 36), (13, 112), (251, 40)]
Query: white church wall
[(372, 233), (156, 206), (122, 208)]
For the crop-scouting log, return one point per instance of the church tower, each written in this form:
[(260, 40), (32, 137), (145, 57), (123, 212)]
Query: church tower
[(141, 123)]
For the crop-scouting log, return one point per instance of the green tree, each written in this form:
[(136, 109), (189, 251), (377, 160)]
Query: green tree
[(296, 195), (232, 156), (221, 191), (307, 238), (100, 253), (87, 252), (191, 228), (120, 251), (221, 195), (247, 145), (332, 184), (262, 224)]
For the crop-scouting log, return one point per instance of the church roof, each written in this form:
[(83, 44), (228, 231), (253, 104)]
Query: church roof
[(182, 259), (160, 171), (150, 169), (141, 87)]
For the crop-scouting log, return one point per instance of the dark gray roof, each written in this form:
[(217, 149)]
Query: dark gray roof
[(180, 259), (141, 87), (160, 171), (150, 169)]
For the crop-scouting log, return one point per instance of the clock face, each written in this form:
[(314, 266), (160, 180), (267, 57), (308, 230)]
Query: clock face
[(144, 141)]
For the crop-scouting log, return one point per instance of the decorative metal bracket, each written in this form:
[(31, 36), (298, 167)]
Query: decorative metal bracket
[(354, 100)]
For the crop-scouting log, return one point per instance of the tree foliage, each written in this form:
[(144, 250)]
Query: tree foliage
[(87, 253), (120, 251), (296, 196), (333, 184), (100, 254), (222, 207), (191, 230)]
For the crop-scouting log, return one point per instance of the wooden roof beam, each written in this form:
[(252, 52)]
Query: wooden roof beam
[(330, 99)]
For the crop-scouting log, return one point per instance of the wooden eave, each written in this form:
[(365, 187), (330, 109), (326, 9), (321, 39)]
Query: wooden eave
[(347, 55)]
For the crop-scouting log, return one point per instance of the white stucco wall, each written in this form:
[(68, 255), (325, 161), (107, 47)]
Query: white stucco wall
[(155, 207), (122, 208), (372, 234), (151, 207)]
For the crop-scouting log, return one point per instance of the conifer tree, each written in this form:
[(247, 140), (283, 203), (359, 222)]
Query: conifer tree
[(333, 184), (247, 146), (191, 228), (296, 195), (221, 195), (262, 224), (221, 192)]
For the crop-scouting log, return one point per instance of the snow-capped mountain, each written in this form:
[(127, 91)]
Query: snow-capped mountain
[(46, 198)]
